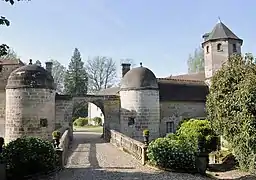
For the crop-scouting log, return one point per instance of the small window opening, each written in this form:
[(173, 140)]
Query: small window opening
[(131, 121), (234, 48), (219, 47), (169, 127), (43, 122), (207, 49), (1, 68)]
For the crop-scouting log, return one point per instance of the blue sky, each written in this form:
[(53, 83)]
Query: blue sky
[(160, 34)]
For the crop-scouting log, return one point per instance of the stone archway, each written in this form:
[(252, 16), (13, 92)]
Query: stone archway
[(109, 105)]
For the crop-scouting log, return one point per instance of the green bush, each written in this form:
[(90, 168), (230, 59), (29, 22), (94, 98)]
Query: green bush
[(98, 121), (29, 155), (81, 122), (56, 134), (172, 136), (194, 129), (169, 153), (146, 132)]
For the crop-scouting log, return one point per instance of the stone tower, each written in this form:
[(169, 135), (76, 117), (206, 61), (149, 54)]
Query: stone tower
[(140, 106), (218, 46), (6, 67), (30, 103)]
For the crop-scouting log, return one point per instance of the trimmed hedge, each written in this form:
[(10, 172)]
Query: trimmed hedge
[(97, 120), (171, 153), (81, 122)]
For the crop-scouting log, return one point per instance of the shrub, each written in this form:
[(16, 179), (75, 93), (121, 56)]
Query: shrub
[(193, 129), (56, 134), (146, 132), (172, 136), (29, 155), (97, 120), (80, 122), (169, 153)]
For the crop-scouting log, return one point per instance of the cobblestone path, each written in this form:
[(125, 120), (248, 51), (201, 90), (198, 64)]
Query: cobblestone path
[(93, 159)]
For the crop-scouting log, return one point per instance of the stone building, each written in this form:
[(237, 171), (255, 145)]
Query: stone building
[(31, 106)]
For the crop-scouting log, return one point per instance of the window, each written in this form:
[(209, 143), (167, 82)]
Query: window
[(207, 49), (234, 48), (1, 68), (169, 127), (219, 47), (131, 121)]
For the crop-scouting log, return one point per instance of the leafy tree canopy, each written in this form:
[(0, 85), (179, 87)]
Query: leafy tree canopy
[(231, 107)]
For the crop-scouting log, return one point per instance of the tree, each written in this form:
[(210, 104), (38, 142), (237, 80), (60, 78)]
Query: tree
[(3, 21), (101, 72), (58, 73), (10, 55), (231, 107), (76, 79), (196, 62)]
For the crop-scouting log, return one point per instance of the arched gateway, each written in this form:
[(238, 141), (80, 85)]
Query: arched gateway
[(109, 105)]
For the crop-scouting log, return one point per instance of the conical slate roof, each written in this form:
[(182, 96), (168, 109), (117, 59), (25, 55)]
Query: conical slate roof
[(221, 31)]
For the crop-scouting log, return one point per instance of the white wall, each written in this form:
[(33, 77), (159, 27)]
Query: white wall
[(94, 111)]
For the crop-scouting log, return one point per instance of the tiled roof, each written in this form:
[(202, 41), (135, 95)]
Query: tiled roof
[(182, 90), (221, 31), (195, 76)]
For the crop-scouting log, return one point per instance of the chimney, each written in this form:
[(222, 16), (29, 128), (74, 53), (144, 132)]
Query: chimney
[(48, 67), (125, 68)]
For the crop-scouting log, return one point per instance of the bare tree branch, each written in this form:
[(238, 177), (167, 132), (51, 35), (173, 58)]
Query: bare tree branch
[(101, 73)]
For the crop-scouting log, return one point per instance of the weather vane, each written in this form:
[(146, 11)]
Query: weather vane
[(219, 19)]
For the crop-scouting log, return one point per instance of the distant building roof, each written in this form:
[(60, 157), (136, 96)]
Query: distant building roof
[(193, 76), (11, 62), (109, 91)]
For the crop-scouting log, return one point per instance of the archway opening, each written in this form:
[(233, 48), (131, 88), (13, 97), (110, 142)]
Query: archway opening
[(88, 117)]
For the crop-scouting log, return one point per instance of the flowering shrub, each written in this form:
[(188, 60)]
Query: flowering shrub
[(29, 155), (171, 153)]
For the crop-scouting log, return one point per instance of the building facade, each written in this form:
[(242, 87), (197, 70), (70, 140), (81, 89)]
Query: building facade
[(31, 106)]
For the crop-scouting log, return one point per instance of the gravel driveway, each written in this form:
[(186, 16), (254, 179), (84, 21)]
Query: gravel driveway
[(93, 159)]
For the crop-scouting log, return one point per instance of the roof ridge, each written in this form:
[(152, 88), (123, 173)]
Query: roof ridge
[(186, 80)]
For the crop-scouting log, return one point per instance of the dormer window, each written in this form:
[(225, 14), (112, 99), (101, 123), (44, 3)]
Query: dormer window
[(234, 48), (207, 49), (219, 47)]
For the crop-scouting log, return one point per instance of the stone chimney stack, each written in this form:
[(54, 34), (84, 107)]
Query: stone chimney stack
[(125, 68), (48, 67)]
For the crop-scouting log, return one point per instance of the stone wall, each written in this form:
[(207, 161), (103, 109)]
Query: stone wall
[(176, 111), (29, 112), (2, 113), (112, 113), (63, 111), (140, 110)]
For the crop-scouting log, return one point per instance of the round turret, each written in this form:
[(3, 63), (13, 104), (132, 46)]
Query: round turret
[(30, 103), (139, 78), (140, 108), (30, 76)]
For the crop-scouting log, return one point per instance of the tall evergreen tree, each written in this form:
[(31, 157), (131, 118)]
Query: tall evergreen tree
[(76, 79), (196, 62)]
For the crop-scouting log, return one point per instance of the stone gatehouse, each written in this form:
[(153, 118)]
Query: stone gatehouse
[(31, 106)]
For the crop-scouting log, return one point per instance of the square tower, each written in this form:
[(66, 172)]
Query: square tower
[(218, 46)]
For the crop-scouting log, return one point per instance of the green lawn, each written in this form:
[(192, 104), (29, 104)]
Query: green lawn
[(98, 129)]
